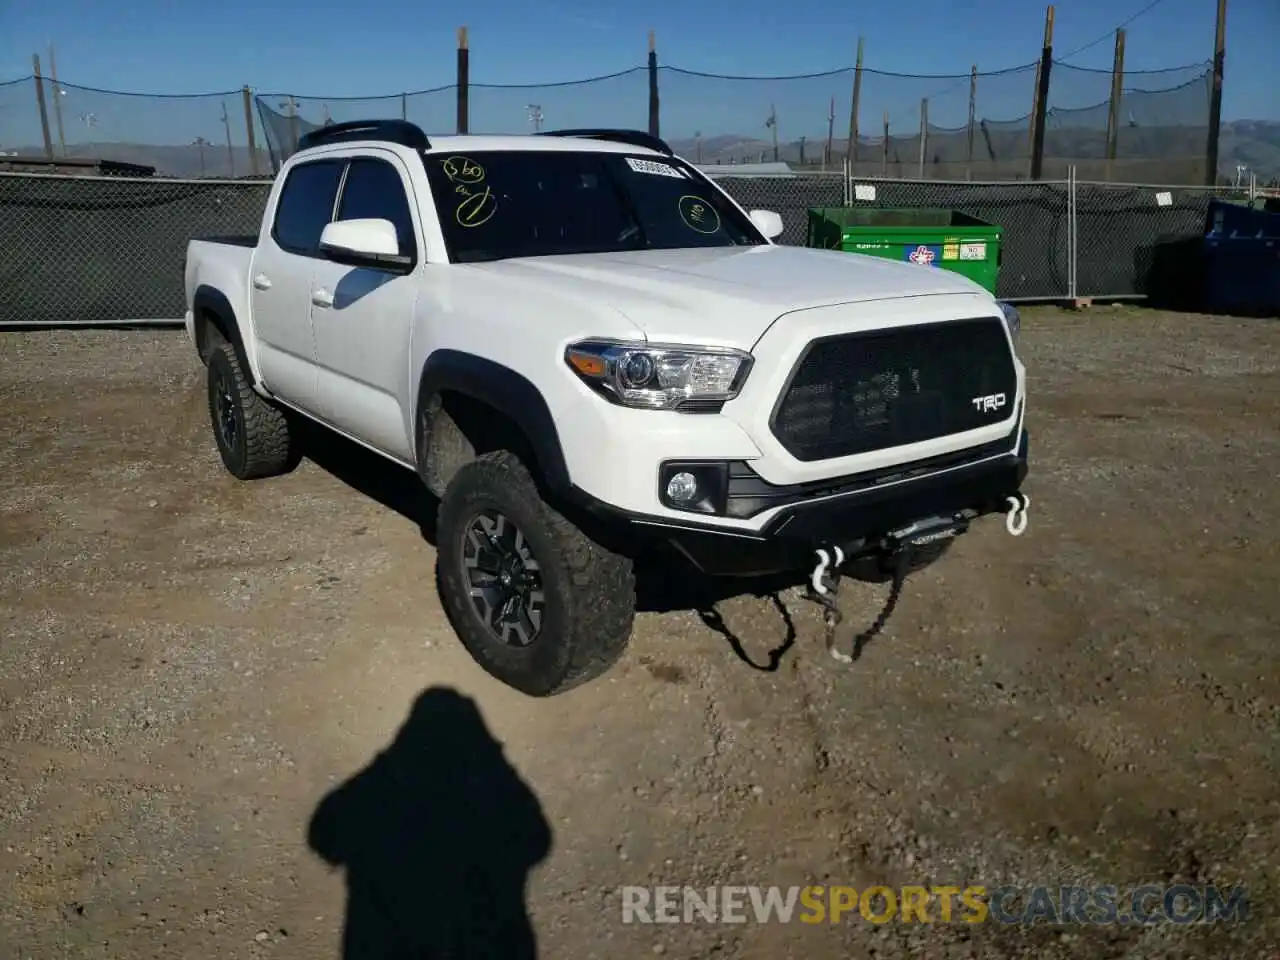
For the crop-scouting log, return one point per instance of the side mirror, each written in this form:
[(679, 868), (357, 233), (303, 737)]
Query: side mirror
[(364, 243), (767, 222)]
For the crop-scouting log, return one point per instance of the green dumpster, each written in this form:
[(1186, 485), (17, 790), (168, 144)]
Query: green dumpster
[(928, 236)]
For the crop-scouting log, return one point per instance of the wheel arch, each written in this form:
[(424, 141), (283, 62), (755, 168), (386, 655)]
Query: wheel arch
[(479, 381), (215, 317)]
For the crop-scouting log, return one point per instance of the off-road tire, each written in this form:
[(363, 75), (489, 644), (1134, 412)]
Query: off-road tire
[(589, 591), (264, 444)]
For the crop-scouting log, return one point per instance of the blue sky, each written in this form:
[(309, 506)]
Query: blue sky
[(327, 49)]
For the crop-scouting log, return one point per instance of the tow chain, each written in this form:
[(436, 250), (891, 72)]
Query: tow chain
[(824, 587), (901, 560)]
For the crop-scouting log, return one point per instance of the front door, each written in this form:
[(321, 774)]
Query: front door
[(281, 280), (362, 316)]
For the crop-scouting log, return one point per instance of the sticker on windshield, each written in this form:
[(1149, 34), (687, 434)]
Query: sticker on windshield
[(653, 166), (698, 215)]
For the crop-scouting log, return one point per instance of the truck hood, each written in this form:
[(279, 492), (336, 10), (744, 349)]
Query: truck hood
[(728, 295)]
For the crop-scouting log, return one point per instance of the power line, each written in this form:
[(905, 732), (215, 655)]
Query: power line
[(1112, 32)]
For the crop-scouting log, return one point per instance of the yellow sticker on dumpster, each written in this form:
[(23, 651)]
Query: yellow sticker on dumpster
[(973, 251), (951, 251)]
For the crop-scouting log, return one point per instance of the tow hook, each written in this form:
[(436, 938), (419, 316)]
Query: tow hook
[(1015, 520), (823, 584)]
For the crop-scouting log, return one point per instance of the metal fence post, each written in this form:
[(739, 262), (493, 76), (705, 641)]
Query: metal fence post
[(1073, 233)]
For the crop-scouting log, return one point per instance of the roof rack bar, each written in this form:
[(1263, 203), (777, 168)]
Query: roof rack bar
[(403, 132), (636, 138)]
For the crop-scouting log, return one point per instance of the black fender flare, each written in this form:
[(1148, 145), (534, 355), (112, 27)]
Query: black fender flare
[(213, 302), (510, 393)]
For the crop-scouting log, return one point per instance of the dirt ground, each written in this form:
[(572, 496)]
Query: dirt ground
[(189, 666)]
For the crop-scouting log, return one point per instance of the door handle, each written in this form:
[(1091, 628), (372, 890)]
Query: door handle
[(261, 282), (322, 298)]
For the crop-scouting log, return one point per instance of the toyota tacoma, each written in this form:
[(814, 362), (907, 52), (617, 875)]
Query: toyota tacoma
[(585, 348)]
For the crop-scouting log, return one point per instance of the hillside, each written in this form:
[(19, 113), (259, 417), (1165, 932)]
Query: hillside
[(999, 152)]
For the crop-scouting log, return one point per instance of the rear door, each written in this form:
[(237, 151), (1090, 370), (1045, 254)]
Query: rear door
[(362, 316), (280, 281)]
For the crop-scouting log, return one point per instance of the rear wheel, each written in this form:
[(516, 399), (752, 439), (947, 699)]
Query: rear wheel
[(253, 436), (537, 603)]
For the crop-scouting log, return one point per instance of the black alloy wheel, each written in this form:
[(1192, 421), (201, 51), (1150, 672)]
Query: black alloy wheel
[(226, 411), (504, 578)]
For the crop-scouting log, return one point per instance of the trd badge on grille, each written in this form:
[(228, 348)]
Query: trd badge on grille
[(992, 401)]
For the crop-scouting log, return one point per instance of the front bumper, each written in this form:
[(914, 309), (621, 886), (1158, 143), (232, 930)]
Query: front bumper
[(856, 514)]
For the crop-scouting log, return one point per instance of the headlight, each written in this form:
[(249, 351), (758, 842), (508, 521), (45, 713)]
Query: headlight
[(1012, 320), (660, 376)]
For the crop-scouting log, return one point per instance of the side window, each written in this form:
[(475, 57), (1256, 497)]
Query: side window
[(306, 203), (374, 189)]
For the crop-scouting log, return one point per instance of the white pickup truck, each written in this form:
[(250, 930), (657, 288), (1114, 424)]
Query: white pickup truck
[(584, 346)]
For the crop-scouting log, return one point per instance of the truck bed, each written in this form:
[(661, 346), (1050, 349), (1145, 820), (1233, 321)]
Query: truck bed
[(232, 239)]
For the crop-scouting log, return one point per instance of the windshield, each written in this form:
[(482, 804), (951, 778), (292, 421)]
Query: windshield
[(534, 203)]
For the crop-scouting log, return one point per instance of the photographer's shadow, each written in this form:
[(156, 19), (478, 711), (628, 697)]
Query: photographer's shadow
[(437, 836)]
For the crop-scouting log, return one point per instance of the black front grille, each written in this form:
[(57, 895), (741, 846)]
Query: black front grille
[(867, 391)]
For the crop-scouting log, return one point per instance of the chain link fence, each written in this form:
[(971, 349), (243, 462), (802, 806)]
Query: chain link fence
[(1141, 240), (95, 250), (1033, 215), (102, 250)]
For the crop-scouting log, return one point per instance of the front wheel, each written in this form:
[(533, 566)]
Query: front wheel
[(538, 604)]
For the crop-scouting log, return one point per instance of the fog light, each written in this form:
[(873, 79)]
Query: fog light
[(682, 487)]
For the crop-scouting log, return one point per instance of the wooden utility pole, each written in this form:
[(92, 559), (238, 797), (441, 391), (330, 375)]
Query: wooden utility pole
[(1042, 97), (1215, 97), (924, 132), (226, 127), (831, 132), (851, 151), (655, 103), (464, 82), (973, 113), (57, 99), (884, 148), (248, 126), (1117, 92), (44, 113)]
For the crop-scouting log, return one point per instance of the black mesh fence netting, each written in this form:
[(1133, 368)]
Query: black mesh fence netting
[(1032, 217), (1143, 240), (107, 250)]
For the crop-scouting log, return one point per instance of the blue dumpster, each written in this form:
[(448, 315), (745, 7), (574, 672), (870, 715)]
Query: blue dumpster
[(1242, 254)]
